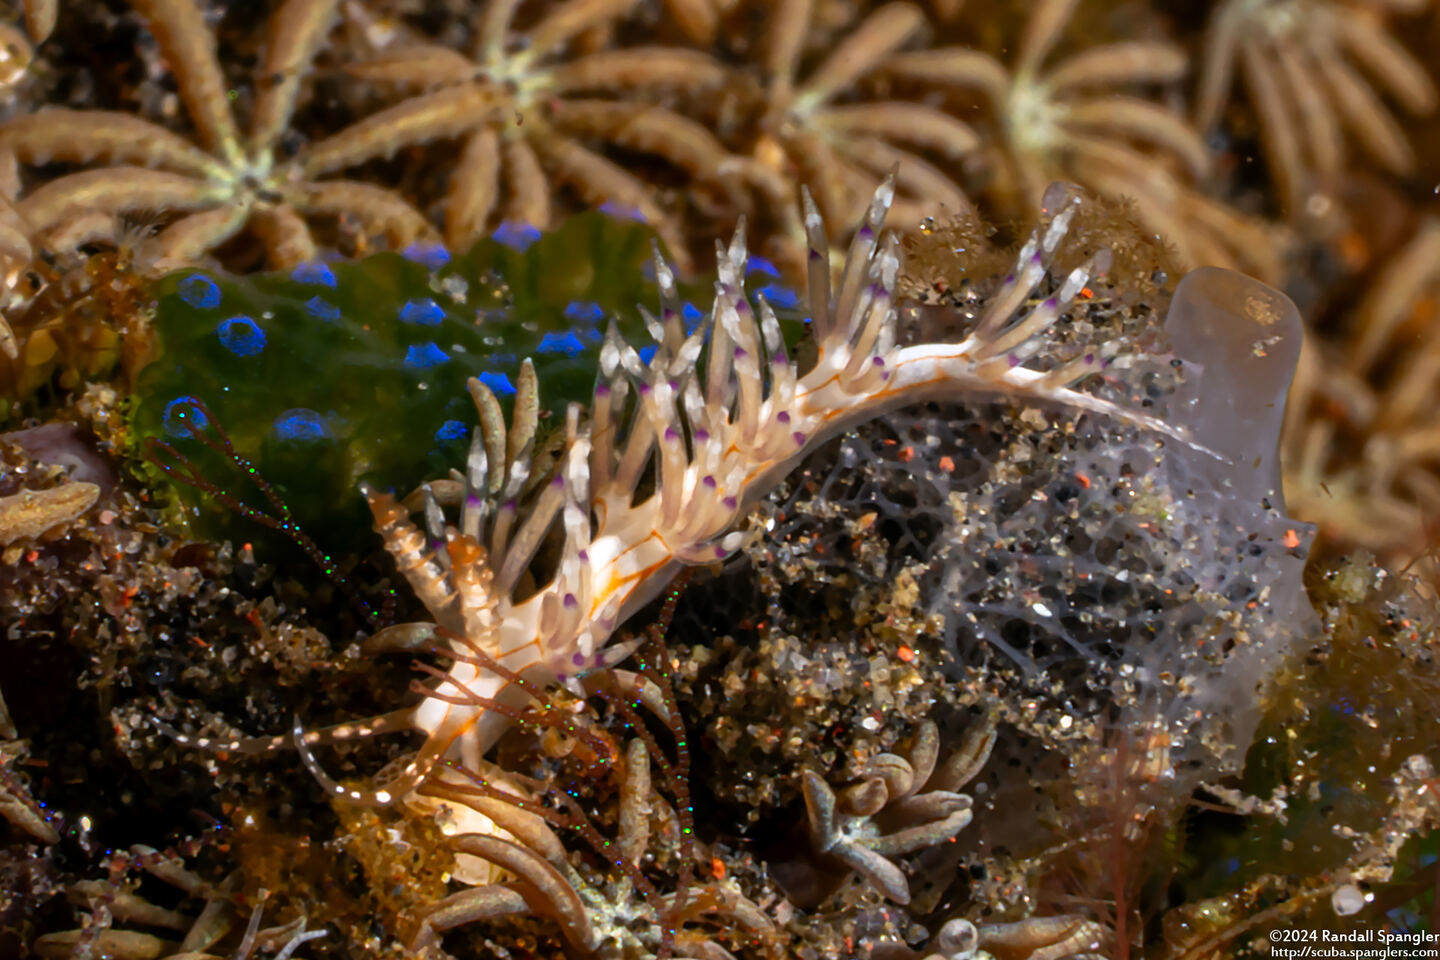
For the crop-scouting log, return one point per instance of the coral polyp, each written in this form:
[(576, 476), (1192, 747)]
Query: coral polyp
[(220, 183), (1299, 59), (538, 121), (1080, 119)]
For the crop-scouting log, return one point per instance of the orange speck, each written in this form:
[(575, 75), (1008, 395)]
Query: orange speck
[(1354, 251), (947, 464), (1084, 480), (1292, 539), (717, 868), (31, 556), (1086, 293), (905, 653), (130, 593), (907, 454)]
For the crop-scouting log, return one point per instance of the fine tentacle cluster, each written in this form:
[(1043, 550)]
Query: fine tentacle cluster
[(858, 825)]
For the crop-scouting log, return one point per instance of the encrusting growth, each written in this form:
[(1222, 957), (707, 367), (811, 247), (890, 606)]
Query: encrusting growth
[(718, 433)]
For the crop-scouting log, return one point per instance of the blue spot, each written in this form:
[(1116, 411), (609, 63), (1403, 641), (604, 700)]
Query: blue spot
[(300, 424), (647, 353), (591, 335), (182, 417), (313, 272), (584, 310), (422, 311), (515, 235), (692, 316), (498, 383), (756, 264), (566, 343), (1232, 864), (780, 296), (199, 292), (450, 431), (425, 355), (322, 309), (241, 336), (432, 256), (621, 212)]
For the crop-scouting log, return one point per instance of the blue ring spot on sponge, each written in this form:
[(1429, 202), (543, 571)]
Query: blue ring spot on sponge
[(498, 383), (322, 309), (692, 316), (584, 310), (182, 417), (432, 256), (621, 212), (779, 295), (450, 431), (200, 292), (300, 424), (566, 343), (241, 335), (313, 272), (423, 312), (516, 235), (425, 355), (754, 264)]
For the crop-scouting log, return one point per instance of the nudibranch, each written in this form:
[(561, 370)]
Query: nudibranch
[(715, 417)]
